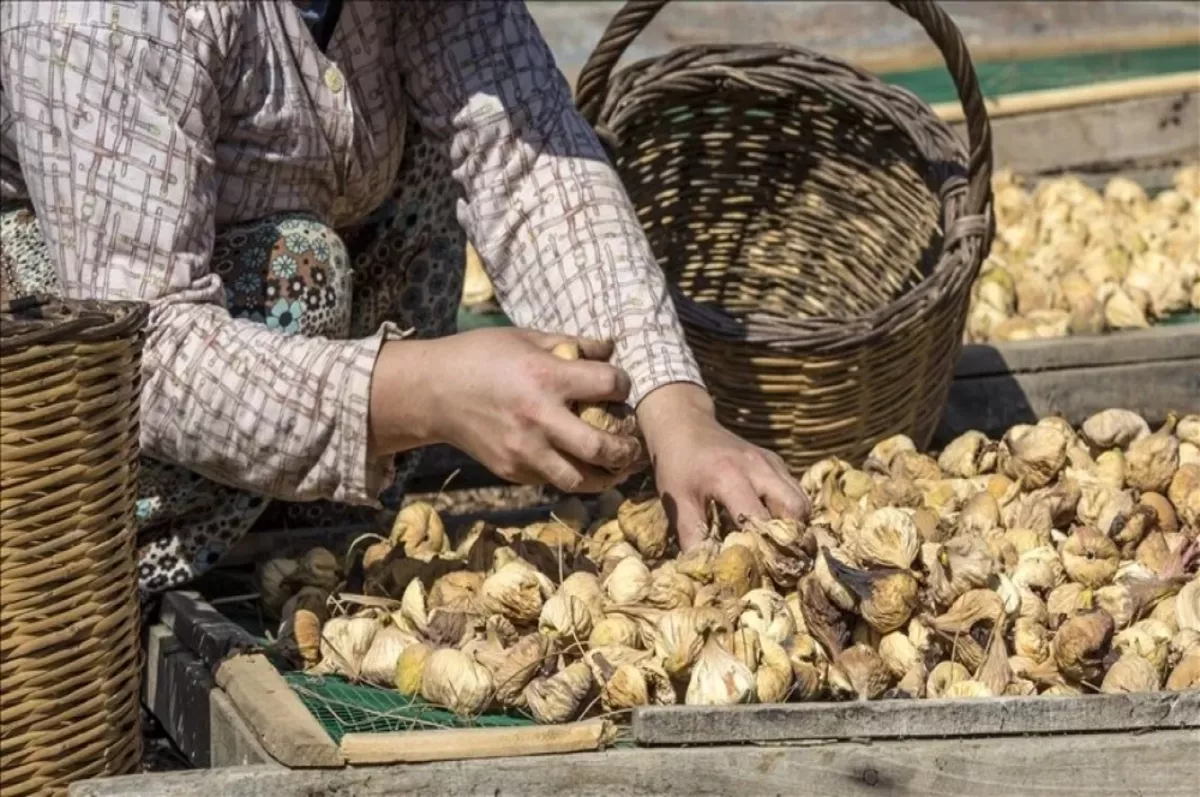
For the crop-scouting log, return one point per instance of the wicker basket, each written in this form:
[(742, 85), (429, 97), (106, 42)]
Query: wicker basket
[(820, 229), (70, 658)]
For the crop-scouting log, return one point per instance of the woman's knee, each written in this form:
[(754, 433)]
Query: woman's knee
[(289, 272)]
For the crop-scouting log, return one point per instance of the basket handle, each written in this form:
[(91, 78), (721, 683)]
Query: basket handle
[(592, 86)]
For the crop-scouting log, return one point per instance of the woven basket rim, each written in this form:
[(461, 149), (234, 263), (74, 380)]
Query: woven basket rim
[(45, 319)]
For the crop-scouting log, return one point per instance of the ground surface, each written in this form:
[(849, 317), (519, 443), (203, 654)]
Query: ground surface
[(573, 28)]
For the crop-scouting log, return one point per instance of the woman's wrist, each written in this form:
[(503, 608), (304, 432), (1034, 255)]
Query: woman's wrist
[(403, 407), (670, 405)]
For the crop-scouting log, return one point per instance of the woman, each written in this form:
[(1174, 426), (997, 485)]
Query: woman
[(286, 183)]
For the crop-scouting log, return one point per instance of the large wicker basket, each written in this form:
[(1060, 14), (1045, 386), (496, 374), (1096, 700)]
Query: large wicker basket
[(820, 229), (70, 669)]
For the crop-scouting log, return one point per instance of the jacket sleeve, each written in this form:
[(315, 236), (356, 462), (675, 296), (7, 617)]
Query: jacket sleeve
[(113, 129), (544, 208)]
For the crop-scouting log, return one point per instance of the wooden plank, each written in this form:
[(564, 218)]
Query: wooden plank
[(176, 691), (1159, 763), (1142, 346), (286, 729), (992, 404), (885, 719), (1027, 102), (203, 630), (231, 741), (1106, 133), (462, 744)]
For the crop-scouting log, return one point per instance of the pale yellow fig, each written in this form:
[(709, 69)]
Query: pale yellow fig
[(1149, 639), (767, 613), (1114, 428), (566, 618), (719, 678), (586, 588), (1184, 494), (899, 654), (644, 524), (457, 590), (813, 479), (969, 625), (680, 638), (410, 669), (1033, 455), (1151, 462), (1130, 673), (773, 678), (418, 528), (737, 570), (697, 563), (879, 458), (1068, 600), (615, 629), (1090, 558), (560, 697), (670, 589), (1040, 569), (809, 666), (629, 678), (859, 673), (887, 538), (516, 591), (943, 676), (379, 664), (1025, 540), (629, 582), (1031, 639), (979, 514), (1187, 607), (856, 484), (344, 644), (454, 680), (1186, 674), (837, 592), (967, 689), (996, 289), (885, 597), (512, 668), (604, 538)]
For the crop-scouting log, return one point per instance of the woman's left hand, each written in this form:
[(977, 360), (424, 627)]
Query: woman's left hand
[(697, 460)]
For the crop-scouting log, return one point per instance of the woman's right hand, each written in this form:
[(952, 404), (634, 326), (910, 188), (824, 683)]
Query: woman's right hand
[(499, 395)]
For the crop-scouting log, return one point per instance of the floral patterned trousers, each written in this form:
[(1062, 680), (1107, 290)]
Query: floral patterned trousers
[(290, 272)]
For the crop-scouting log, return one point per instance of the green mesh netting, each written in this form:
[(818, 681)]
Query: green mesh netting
[(1038, 74), (342, 707)]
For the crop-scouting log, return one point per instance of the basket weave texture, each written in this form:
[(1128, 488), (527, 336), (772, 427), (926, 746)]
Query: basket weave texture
[(70, 669), (819, 229)]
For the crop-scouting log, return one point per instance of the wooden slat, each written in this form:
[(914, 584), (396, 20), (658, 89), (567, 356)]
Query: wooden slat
[(1111, 133), (1160, 344), (1159, 763), (992, 404), (678, 725), (1075, 96), (463, 744), (207, 633), (286, 729)]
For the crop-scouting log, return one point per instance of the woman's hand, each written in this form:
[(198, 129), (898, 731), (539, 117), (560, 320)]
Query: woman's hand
[(697, 460), (500, 396)]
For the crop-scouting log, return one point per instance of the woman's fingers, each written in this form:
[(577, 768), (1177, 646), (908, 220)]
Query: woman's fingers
[(570, 475), (582, 380), (778, 490), (690, 523), (591, 446), (740, 499)]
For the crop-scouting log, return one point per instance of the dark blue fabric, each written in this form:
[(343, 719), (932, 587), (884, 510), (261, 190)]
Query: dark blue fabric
[(321, 17)]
